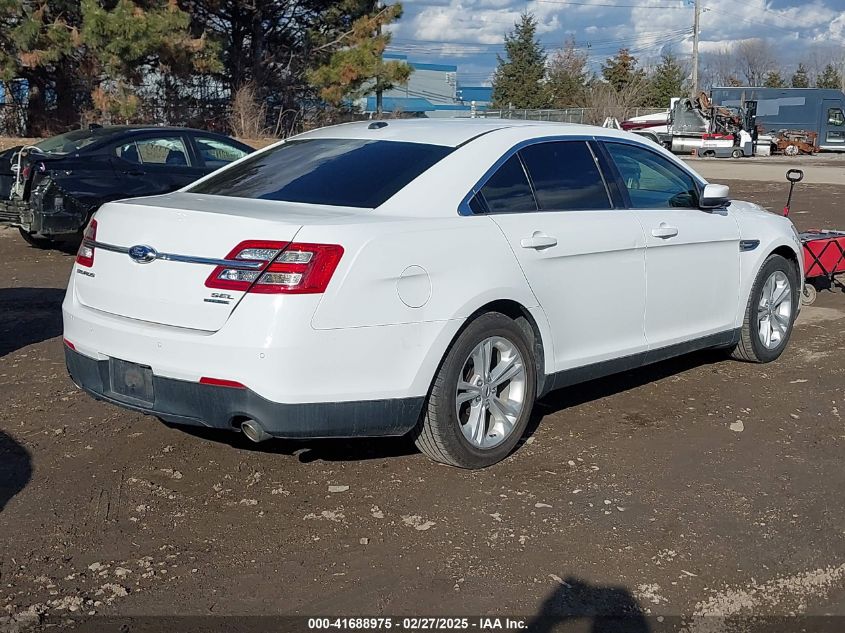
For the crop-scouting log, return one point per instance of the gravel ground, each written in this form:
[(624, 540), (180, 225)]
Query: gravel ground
[(695, 487)]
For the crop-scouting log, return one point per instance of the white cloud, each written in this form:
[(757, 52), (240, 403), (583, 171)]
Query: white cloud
[(471, 32)]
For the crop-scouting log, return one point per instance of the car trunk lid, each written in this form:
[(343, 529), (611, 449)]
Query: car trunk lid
[(188, 232)]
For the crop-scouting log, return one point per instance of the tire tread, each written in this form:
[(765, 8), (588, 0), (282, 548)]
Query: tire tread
[(744, 349)]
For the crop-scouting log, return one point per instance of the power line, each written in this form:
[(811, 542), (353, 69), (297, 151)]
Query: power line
[(613, 6), (460, 49)]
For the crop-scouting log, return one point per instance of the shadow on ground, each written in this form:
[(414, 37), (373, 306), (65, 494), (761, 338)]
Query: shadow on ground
[(358, 449), (579, 605), (15, 468), (28, 316), (307, 451), (600, 388)]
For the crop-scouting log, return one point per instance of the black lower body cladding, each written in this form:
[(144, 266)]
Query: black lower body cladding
[(196, 404)]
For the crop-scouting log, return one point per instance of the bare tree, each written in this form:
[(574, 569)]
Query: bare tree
[(603, 100), (720, 69), (755, 60)]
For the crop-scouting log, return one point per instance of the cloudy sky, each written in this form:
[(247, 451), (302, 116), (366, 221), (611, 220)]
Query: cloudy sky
[(470, 33)]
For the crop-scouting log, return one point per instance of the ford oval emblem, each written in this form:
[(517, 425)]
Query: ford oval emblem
[(142, 254)]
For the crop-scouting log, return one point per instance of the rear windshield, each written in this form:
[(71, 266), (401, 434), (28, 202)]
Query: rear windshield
[(68, 142), (338, 172)]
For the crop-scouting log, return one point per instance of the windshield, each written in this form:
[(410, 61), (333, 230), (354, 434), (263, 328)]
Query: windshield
[(67, 143), (338, 172)]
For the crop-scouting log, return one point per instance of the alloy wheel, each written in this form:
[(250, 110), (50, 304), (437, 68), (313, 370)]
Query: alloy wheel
[(774, 311), (490, 394)]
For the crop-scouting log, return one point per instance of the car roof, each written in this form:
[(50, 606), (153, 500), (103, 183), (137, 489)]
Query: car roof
[(448, 132), (114, 129)]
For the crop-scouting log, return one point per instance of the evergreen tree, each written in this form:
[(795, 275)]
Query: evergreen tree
[(800, 78), (567, 77), (518, 80), (100, 52), (275, 45), (668, 80), (774, 80), (621, 70), (356, 68), (128, 44), (830, 78)]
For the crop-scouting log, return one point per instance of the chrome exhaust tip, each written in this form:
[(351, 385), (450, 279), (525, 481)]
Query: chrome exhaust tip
[(254, 432)]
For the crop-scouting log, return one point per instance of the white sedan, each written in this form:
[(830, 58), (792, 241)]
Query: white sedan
[(424, 277)]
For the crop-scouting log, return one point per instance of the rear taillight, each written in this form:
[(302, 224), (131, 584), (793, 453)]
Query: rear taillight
[(85, 256), (285, 268)]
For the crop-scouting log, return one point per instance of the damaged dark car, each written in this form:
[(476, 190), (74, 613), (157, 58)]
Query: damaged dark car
[(51, 189)]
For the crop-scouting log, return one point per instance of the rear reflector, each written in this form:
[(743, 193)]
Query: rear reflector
[(219, 382), (85, 255), (69, 344), (289, 268)]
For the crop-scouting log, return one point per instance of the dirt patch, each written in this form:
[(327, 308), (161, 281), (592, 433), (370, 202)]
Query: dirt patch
[(639, 493)]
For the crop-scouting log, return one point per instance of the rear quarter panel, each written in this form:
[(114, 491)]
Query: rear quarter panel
[(463, 262)]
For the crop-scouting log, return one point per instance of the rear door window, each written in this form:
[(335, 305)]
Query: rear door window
[(330, 171), (155, 151), (508, 190), (217, 153), (565, 176)]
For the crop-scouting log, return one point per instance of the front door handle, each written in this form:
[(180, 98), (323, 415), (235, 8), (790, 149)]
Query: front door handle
[(664, 231), (538, 240)]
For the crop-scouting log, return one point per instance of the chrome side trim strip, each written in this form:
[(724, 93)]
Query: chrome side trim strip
[(186, 259)]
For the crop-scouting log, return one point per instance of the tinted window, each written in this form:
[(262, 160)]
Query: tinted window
[(216, 153), (565, 176), (652, 181), (508, 190), (154, 151), (340, 172)]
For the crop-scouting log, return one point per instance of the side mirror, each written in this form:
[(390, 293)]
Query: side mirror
[(714, 197)]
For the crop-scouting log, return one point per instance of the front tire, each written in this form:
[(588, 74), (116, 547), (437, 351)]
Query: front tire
[(770, 313), (482, 395)]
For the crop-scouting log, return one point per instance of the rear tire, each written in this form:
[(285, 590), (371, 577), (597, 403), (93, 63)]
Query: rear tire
[(770, 313), (36, 241), (475, 418)]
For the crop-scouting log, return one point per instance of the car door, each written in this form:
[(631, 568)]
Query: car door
[(583, 258), (155, 164), (692, 256), (833, 125)]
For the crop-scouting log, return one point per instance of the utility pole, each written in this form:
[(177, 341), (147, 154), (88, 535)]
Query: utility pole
[(696, 27), (379, 99)]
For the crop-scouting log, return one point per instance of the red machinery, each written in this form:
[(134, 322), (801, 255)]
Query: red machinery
[(824, 252)]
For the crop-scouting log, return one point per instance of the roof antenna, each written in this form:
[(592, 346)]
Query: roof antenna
[(377, 125)]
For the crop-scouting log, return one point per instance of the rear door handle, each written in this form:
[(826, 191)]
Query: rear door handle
[(538, 240), (664, 231)]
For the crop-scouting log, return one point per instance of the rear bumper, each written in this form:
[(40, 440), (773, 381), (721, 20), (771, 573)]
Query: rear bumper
[(195, 404), (48, 212)]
